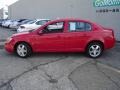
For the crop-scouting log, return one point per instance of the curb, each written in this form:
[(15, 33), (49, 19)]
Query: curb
[(1, 46), (2, 43), (2, 40)]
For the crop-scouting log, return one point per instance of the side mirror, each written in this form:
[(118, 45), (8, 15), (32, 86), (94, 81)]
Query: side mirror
[(40, 32), (95, 28)]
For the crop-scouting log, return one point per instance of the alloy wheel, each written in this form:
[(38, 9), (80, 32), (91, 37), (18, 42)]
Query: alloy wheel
[(22, 50), (95, 50)]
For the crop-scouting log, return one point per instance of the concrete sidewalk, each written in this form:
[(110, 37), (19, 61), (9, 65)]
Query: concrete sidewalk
[(4, 34), (67, 75)]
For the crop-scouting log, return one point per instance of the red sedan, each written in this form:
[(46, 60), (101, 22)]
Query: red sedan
[(63, 35)]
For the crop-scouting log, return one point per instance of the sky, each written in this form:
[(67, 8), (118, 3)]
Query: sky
[(6, 2)]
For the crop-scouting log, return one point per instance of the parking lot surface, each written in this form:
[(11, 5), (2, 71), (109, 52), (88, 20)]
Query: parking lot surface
[(59, 71)]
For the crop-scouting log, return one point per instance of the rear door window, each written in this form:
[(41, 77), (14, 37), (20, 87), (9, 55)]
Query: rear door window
[(79, 26)]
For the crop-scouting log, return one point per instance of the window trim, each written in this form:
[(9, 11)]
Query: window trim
[(78, 29)]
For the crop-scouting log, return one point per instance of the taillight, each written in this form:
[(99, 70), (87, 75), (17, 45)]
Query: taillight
[(112, 32), (22, 27)]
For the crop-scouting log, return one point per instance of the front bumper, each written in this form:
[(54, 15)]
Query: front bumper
[(9, 47)]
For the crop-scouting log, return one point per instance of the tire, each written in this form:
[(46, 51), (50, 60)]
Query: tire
[(23, 50), (8, 26), (94, 50)]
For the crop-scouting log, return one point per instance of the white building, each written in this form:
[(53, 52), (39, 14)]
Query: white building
[(3, 13), (104, 12)]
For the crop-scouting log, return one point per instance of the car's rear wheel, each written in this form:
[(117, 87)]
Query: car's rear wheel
[(94, 50), (23, 50)]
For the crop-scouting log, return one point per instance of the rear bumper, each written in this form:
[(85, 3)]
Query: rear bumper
[(110, 43)]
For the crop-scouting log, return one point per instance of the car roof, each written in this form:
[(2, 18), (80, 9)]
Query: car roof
[(41, 19), (69, 19)]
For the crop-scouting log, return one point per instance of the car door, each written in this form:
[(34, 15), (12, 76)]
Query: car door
[(51, 38), (77, 35)]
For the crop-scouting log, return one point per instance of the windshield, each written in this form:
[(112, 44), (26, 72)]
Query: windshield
[(31, 22), (26, 21)]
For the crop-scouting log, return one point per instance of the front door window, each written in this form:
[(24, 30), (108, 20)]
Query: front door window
[(54, 28)]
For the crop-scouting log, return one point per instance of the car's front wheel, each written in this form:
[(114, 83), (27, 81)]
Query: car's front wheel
[(94, 50), (23, 50)]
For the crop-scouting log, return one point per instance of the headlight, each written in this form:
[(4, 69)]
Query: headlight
[(9, 39)]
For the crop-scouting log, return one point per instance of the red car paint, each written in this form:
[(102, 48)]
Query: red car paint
[(64, 41)]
